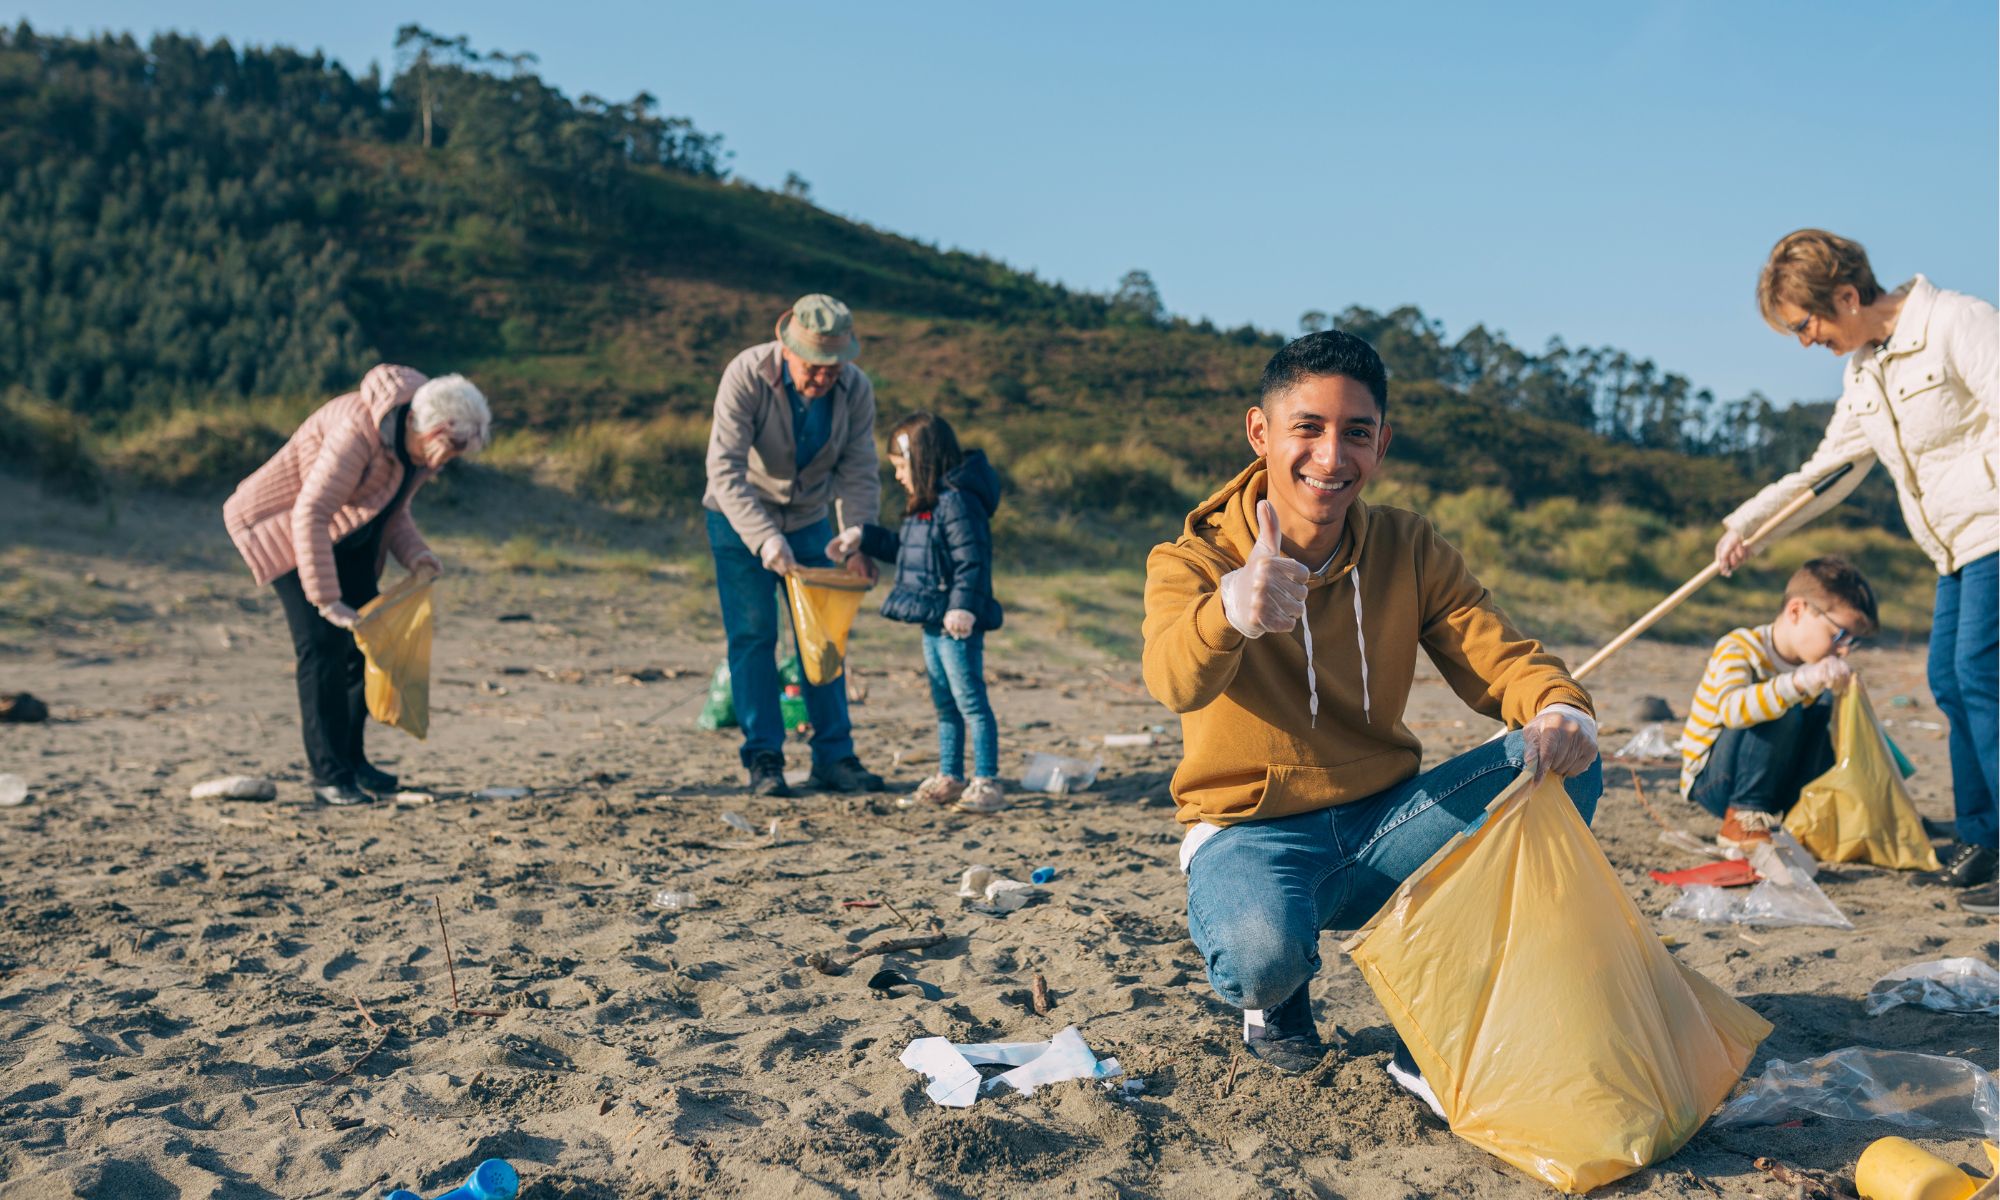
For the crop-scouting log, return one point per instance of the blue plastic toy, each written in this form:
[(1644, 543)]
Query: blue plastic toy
[(490, 1180), (1042, 875)]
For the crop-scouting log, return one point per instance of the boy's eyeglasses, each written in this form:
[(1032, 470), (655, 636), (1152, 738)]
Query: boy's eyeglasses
[(1841, 635)]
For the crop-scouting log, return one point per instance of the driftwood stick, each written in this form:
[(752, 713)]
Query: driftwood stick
[(367, 1054), (1640, 792), (899, 916), (838, 961), (456, 1006), (1040, 996), (1229, 1084)]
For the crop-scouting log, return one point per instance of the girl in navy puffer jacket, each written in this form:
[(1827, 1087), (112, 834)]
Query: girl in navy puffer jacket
[(944, 582)]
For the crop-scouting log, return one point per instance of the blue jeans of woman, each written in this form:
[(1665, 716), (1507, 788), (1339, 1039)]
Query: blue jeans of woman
[(1260, 892), (958, 692), (750, 606), (1965, 681)]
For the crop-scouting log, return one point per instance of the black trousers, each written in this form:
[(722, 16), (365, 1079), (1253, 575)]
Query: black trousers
[(333, 704), (1764, 767)]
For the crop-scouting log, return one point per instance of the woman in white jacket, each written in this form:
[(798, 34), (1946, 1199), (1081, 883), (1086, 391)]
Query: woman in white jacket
[(1920, 394)]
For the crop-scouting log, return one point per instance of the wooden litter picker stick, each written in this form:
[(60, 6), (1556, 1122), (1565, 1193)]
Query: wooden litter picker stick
[(1709, 572)]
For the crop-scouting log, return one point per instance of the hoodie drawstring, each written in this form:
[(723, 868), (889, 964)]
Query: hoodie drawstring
[(1360, 643)]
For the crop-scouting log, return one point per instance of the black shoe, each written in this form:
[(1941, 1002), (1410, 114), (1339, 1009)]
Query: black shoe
[(1403, 1069), (767, 775), (1289, 1040), (374, 779), (847, 775), (1968, 866), (341, 793), (1982, 900)]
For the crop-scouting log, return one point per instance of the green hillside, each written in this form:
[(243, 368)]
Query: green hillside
[(198, 243)]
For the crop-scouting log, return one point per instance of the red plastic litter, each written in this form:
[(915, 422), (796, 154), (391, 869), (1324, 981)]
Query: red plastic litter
[(1730, 873)]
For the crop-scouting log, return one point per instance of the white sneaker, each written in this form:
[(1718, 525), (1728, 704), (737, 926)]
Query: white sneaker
[(1403, 1069), (939, 791), (982, 795)]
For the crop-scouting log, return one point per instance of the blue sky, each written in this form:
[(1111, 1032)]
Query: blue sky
[(1609, 173)]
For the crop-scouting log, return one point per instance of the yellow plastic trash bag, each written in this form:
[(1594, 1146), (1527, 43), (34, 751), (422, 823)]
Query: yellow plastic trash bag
[(1556, 1030), (1859, 811), (824, 601), (394, 632)]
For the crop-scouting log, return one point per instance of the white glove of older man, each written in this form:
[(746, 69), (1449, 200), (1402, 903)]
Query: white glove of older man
[(777, 555), (958, 623), (1816, 677), (1562, 739), (339, 614), (1267, 594), (844, 544), (426, 564)]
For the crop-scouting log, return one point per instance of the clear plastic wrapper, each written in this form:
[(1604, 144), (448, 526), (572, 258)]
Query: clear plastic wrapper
[(1058, 775), (1652, 741), (1952, 985), (1860, 1083)]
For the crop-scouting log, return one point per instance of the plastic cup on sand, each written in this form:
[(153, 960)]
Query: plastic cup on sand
[(13, 791)]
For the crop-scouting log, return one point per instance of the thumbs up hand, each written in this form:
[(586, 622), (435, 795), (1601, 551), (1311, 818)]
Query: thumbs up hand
[(1267, 594)]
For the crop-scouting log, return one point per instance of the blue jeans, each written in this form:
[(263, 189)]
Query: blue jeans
[(1764, 767), (751, 598), (1965, 681), (1260, 892), (958, 692)]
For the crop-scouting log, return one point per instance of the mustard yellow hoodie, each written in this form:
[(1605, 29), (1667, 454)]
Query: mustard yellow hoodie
[(1253, 750)]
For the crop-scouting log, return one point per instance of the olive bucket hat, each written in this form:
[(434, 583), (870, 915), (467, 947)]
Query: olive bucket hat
[(819, 329)]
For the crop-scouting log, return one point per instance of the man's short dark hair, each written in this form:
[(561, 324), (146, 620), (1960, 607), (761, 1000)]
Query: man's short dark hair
[(1834, 580), (1329, 352)]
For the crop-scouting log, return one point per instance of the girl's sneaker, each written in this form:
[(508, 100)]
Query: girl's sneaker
[(982, 795), (938, 791)]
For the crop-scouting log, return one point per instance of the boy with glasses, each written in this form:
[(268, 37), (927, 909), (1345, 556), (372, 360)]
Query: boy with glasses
[(1757, 727)]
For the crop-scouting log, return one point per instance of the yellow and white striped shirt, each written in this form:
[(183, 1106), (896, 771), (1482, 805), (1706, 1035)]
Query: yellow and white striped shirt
[(1746, 684)]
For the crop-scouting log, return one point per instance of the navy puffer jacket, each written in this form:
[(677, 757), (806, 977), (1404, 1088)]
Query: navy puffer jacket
[(944, 558)]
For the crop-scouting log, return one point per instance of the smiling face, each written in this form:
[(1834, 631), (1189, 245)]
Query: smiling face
[(1321, 440), (1843, 333)]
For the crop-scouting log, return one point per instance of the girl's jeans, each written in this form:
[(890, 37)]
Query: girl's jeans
[(958, 690)]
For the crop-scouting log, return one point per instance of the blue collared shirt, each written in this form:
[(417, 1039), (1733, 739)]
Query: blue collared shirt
[(812, 420)]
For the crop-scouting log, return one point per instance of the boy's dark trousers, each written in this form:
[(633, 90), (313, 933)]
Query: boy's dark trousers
[(333, 704), (1764, 767)]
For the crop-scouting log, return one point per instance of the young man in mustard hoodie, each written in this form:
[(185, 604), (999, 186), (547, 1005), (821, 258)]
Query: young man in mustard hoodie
[(1284, 626)]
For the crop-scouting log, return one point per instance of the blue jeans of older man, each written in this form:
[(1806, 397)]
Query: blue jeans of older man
[(751, 599), (1260, 892)]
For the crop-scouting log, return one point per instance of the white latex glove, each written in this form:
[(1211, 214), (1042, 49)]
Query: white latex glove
[(427, 564), (1267, 594), (777, 555), (958, 623), (844, 544), (339, 614), (1731, 552), (1559, 739), (1829, 672)]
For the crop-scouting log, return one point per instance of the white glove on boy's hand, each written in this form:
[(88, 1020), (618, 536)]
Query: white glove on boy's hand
[(339, 614), (777, 555), (1829, 672), (958, 623), (1267, 594), (844, 544)]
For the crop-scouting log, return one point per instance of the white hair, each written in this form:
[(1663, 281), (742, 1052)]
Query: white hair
[(452, 400)]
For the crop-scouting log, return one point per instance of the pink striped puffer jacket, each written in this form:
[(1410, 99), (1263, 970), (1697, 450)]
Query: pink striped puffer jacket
[(330, 479)]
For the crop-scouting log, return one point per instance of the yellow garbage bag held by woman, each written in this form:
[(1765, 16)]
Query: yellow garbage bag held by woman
[(394, 633), (824, 601), (1556, 1030), (1859, 811)]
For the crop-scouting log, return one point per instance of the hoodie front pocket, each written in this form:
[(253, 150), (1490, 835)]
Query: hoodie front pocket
[(1290, 788)]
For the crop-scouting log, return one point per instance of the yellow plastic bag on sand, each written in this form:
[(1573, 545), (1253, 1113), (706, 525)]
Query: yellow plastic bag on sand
[(1859, 811), (394, 632), (1556, 1030), (824, 601)]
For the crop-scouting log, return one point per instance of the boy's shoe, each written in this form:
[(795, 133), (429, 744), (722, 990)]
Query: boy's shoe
[(1743, 826), (982, 795), (1968, 866), (1287, 1040), (767, 775), (1403, 1069), (1982, 900), (846, 775), (936, 792)]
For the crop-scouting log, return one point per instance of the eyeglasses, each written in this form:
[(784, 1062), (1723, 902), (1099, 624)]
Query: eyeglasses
[(1841, 635), (1798, 329)]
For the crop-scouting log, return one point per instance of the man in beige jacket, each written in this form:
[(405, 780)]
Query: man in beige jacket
[(794, 435)]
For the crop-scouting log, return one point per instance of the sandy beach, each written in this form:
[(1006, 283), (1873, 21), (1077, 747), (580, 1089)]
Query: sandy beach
[(229, 999)]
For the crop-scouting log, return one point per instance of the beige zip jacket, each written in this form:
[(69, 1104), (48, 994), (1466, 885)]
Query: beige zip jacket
[(1926, 409)]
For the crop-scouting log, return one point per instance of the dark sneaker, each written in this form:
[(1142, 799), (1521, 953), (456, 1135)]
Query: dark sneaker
[(847, 775), (1287, 1040), (1403, 1069), (374, 779), (1982, 900), (767, 775), (342, 794), (1967, 866)]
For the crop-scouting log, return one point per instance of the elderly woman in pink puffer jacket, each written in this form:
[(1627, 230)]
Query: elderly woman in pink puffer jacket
[(319, 521)]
